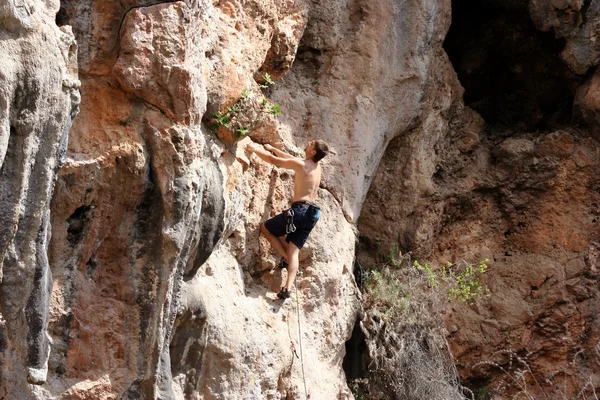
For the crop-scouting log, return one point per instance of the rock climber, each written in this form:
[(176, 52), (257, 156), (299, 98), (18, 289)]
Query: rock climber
[(301, 218)]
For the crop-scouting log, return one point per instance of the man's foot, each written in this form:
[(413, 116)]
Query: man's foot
[(282, 264), (283, 294)]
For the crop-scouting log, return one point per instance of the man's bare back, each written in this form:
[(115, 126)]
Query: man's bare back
[(306, 181)]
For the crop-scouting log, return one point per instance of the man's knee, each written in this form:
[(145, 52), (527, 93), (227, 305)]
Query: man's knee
[(263, 229), (292, 250)]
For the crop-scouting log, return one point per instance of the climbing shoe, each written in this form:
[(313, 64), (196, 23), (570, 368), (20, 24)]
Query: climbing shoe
[(282, 264), (283, 294)]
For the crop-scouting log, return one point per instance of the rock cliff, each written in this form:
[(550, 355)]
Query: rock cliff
[(510, 174), (132, 265)]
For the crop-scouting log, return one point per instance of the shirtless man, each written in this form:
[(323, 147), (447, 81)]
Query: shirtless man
[(301, 218)]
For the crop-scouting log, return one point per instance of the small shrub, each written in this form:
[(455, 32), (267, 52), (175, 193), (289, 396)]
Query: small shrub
[(387, 291), (268, 82), (222, 119), (274, 110), (394, 256), (402, 322), (462, 280), (242, 131)]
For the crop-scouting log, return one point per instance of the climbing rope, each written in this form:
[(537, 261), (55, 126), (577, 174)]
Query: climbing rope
[(300, 339)]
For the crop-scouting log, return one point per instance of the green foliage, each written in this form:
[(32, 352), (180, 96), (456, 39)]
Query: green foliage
[(222, 119), (482, 393), (268, 81), (234, 109), (246, 94), (242, 131), (462, 280), (387, 291), (394, 255), (433, 280), (273, 109)]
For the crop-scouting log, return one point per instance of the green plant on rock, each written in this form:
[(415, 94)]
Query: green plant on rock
[(466, 285), (268, 82), (388, 291), (394, 257), (222, 119), (461, 280), (274, 110), (433, 279), (234, 109), (246, 94), (242, 131)]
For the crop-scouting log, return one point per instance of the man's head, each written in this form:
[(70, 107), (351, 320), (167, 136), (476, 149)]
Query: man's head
[(316, 149)]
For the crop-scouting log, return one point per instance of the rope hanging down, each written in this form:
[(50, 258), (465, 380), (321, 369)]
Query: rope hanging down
[(300, 339)]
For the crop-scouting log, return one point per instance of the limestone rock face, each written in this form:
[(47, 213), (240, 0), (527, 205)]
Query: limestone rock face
[(160, 280), (458, 187), (367, 78), (154, 63), (136, 269), (38, 99), (160, 284), (577, 22)]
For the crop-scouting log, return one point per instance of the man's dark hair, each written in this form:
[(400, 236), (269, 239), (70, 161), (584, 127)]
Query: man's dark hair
[(321, 149)]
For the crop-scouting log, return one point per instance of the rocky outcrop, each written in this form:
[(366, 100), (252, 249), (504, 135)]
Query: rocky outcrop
[(161, 281), (155, 282), (577, 22), (519, 187), (38, 99)]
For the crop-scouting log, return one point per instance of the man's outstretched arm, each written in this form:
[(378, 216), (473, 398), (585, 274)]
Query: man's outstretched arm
[(289, 163), (278, 153)]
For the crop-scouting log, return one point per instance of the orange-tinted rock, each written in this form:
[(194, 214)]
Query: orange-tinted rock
[(156, 64)]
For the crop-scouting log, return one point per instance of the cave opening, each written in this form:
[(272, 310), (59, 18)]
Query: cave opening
[(356, 359), (511, 72)]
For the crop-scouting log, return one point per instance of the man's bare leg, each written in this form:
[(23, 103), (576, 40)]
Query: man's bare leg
[(292, 255), (275, 242)]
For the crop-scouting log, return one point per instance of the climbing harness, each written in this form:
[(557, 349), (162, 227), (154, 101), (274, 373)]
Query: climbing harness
[(289, 219)]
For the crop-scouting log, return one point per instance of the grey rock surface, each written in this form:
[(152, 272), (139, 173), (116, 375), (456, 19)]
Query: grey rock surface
[(38, 100)]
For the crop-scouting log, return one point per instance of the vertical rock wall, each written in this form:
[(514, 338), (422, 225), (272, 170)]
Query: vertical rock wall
[(160, 286), (38, 99)]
